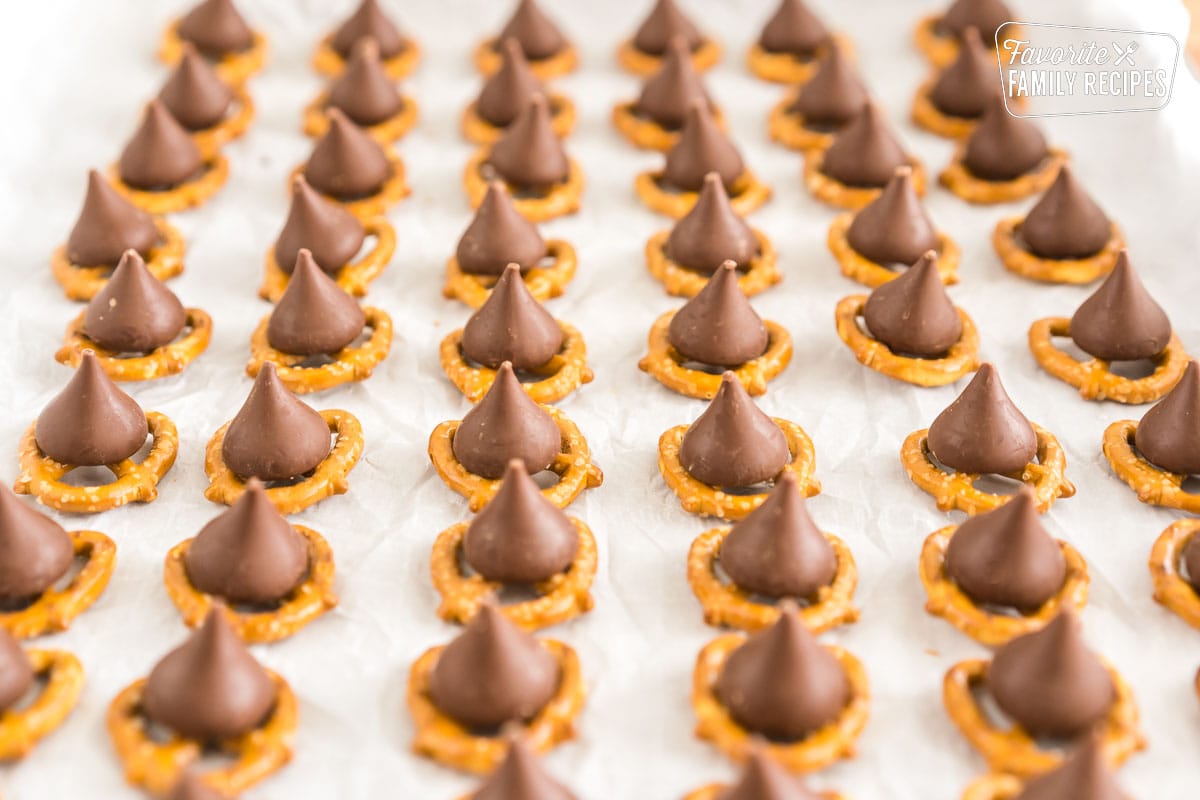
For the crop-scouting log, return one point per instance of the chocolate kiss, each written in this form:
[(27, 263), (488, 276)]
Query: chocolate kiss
[(329, 231), (91, 422), (984, 15), (364, 91), (346, 162), (912, 314), (1066, 222), (16, 672), (1005, 557), (982, 431), (369, 20), (134, 312), (777, 550), (314, 316), (711, 233), (1120, 321), (249, 553), (161, 153), (1169, 434), (1049, 682), (35, 551), (510, 89), (194, 95), (718, 327), (793, 28), (763, 778), (215, 27), (274, 437), (530, 155), (520, 536), (107, 226), (511, 326), (733, 443), (894, 228), (538, 36), (493, 672), (209, 688), (668, 93), (664, 22), (702, 148), (1082, 775), (964, 88), (834, 95), (521, 776), (499, 235), (865, 152), (504, 425), (782, 683), (192, 787), (1003, 147)]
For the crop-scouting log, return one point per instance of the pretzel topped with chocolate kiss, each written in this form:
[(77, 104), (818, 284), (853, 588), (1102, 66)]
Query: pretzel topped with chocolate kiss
[(366, 94), (810, 115), (859, 163), (643, 53), (549, 53), (54, 678), (400, 53), (219, 32), (792, 45), (653, 121), (212, 111), (506, 93), (349, 166)]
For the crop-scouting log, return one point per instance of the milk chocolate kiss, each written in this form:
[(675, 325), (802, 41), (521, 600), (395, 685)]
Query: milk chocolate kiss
[(733, 443), (520, 536), (509, 89), (346, 163), (1083, 775), (865, 152), (369, 20), (499, 235), (763, 778), (538, 36), (493, 672), (160, 154), (1169, 434), (781, 683), (793, 28), (216, 28), (521, 776), (314, 316), (134, 312), (702, 148), (506, 424), (364, 91), (1003, 147), (1120, 321), (192, 787), (964, 88), (982, 431), (912, 314), (718, 327), (107, 226), (511, 326), (210, 688), (274, 437), (1066, 222), (834, 95), (331, 233), (986, 16), (668, 93), (194, 95), (35, 551), (711, 233), (664, 22), (530, 155), (91, 422), (894, 228), (16, 671), (1049, 682)]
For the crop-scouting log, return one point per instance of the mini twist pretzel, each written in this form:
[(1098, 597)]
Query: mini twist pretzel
[(353, 363), (928, 116), (993, 787), (329, 62), (573, 465), (1170, 587), (725, 604), (819, 749), (441, 738), (713, 791), (668, 365), (55, 609), (543, 282), (478, 130), (1012, 750), (790, 128), (156, 766), (647, 134), (488, 59), (563, 374), (747, 194), (192, 193), (1153, 485), (304, 603), (556, 201), (316, 121), (394, 189), (710, 501), (210, 140), (355, 277), (949, 602), (833, 192), (21, 729), (1017, 258), (327, 479), (133, 482), (956, 490), (170, 359), (787, 67), (679, 281), (560, 598), (861, 269), (634, 60), (958, 179), (83, 282), (961, 359), (233, 68)]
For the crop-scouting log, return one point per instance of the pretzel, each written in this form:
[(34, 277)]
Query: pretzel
[(542, 282), (478, 130), (789, 68), (54, 609), (726, 604), (326, 479), (555, 201), (308, 600), (834, 193), (928, 116), (233, 68), (833, 742), (488, 59), (350, 364), (83, 282), (133, 482), (394, 189), (646, 133), (210, 140), (710, 501), (748, 194), (669, 366), (573, 465), (1153, 485), (561, 375), (956, 490), (156, 765), (958, 179), (329, 62), (633, 60), (993, 787), (316, 121), (170, 359), (861, 269), (941, 50), (353, 278), (22, 728), (446, 741), (948, 601), (1012, 750), (1171, 589), (760, 274), (559, 598), (192, 193), (713, 792), (1017, 258), (961, 359)]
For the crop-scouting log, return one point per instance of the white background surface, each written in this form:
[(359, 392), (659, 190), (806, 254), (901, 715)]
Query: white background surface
[(76, 74)]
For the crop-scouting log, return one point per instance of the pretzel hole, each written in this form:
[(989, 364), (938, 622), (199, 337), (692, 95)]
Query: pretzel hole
[(1191, 485), (103, 475), (998, 484), (10, 605), (1135, 369), (319, 360), (861, 323), (40, 680), (758, 599), (523, 375), (759, 488)]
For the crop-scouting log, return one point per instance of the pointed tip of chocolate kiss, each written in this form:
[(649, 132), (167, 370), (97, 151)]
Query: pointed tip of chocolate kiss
[(711, 232), (1168, 435), (511, 325), (764, 778), (983, 432), (733, 444), (1084, 772), (1120, 321), (506, 424), (520, 775), (719, 327), (314, 316)]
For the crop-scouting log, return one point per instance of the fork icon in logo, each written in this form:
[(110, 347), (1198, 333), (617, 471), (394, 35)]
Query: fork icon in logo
[(1124, 54)]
